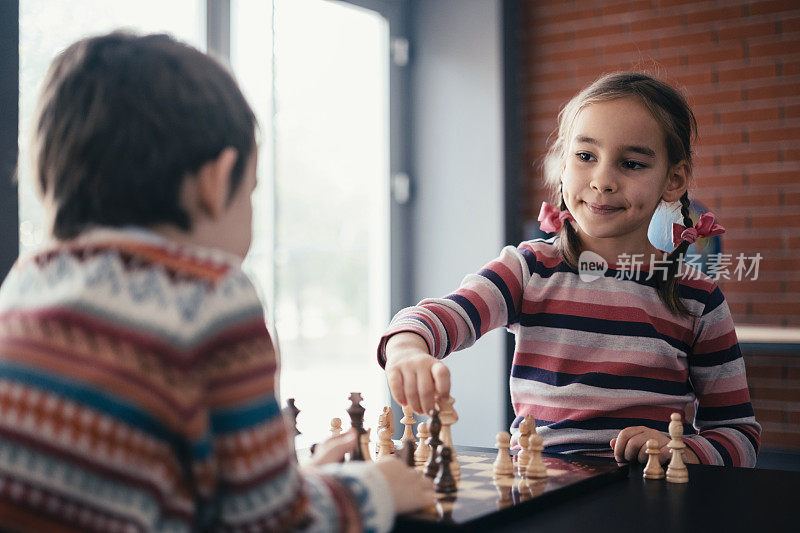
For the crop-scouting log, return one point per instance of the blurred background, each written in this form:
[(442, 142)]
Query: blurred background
[(399, 150)]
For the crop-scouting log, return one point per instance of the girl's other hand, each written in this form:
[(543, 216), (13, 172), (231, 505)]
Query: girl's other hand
[(631, 445), (415, 377)]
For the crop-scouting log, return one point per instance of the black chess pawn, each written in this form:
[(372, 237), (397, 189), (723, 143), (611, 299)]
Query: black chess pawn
[(406, 453), (435, 426), (444, 483), (291, 412), (356, 413)]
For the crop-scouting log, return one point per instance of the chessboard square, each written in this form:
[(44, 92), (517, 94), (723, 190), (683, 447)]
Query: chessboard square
[(469, 485)]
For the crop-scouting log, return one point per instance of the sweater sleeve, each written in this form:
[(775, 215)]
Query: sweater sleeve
[(249, 480), (486, 300), (728, 433)]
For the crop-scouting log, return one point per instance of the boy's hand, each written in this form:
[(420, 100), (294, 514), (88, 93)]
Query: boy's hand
[(411, 490), (333, 449), (415, 377), (631, 445)]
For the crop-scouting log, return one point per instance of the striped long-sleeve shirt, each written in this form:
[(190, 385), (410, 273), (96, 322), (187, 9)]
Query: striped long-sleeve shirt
[(595, 357), (137, 393)]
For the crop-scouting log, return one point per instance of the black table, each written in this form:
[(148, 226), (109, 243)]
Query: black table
[(715, 499)]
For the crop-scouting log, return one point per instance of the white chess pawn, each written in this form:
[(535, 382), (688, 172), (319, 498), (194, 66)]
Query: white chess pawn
[(386, 446), (364, 443), (676, 471), (653, 469), (536, 468), (389, 419), (423, 449), (408, 421), (336, 427), (502, 465), (523, 457)]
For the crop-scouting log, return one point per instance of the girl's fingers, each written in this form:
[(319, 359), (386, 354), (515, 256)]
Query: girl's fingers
[(441, 379), (426, 389), (411, 391), (395, 380)]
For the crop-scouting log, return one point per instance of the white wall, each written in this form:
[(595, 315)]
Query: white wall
[(457, 165)]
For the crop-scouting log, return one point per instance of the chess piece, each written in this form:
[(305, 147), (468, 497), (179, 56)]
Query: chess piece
[(503, 465), (336, 427), (382, 423), (408, 433), (385, 444), (291, 411), (536, 468), (364, 445), (389, 419), (503, 495), (676, 471), (448, 416), (524, 456), (444, 482), (356, 413), (435, 426), (406, 453), (423, 450), (653, 469)]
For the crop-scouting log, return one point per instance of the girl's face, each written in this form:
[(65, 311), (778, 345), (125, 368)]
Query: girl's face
[(615, 174)]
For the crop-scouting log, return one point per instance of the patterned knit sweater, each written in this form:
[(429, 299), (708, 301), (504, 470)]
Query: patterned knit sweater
[(137, 393), (594, 357)]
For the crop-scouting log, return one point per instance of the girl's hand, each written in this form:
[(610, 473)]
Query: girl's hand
[(333, 449), (411, 490), (415, 377), (631, 445)]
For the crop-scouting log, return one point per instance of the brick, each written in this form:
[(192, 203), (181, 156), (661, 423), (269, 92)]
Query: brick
[(656, 23), (749, 286), (787, 394), (741, 32), (601, 30), (727, 53), (744, 158), (777, 221), (791, 155), (792, 373), (567, 17), (790, 25), (772, 6), (627, 47), (775, 178), (695, 78), (771, 371), (718, 97), (782, 440), (773, 91), (746, 73), (714, 15), (792, 199), (769, 415), (625, 7), (750, 115), (687, 39), (791, 68), (721, 138), (733, 245), (779, 48), (775, 135), (569, 55)]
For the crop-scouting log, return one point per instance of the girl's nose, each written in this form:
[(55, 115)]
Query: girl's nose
[(603, 180)]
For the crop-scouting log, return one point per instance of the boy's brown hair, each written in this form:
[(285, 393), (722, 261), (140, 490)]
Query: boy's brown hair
[(122, 120)]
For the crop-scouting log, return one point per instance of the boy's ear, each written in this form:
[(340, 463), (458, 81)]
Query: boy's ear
[(213, 182), (677, 181)]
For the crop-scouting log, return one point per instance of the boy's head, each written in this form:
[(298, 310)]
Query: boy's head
[(123, 120)]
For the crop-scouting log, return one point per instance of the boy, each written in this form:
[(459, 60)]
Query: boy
[(137, 375)]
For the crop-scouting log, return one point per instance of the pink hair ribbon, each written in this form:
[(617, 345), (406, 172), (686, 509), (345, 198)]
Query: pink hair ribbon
[(705, 227), (551, 219)]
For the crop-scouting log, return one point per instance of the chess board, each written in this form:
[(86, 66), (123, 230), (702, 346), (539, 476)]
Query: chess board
[(483, 500)]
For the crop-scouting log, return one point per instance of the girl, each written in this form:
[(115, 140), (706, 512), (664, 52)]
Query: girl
[(601, 364)]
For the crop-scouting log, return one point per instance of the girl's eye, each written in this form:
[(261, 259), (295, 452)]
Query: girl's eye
[(633, 165), (583, 156)]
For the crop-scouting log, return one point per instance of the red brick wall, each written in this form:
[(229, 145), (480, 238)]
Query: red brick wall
[(739, 64)]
